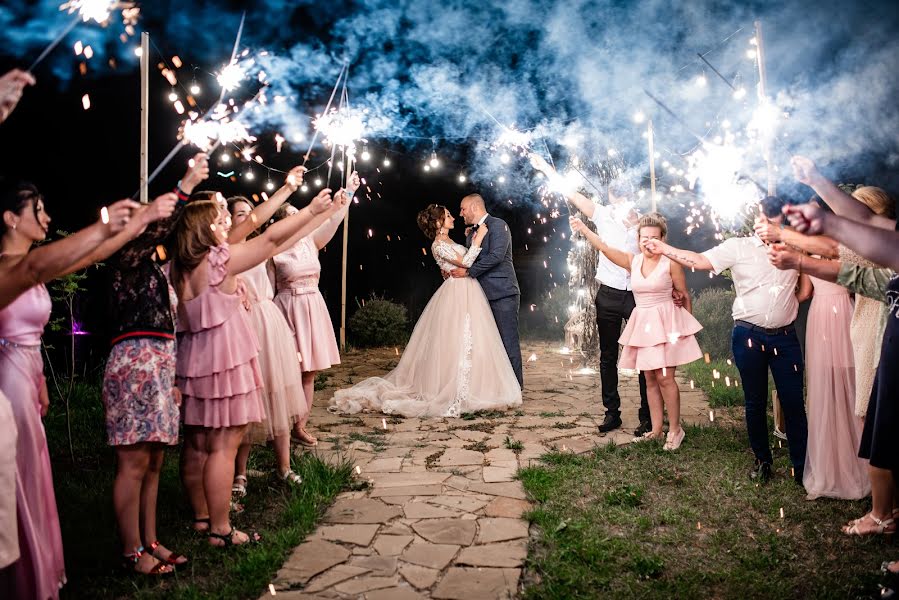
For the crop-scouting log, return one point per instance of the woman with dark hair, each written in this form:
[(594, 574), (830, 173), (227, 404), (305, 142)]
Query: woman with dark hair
[(455, 361), (40, 571), (217, 368)]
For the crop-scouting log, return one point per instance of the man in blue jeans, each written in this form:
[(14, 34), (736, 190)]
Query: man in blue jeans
[(764, 335)]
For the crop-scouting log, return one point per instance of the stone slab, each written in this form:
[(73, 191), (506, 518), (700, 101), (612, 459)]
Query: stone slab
[(500, 529), (446, 531)]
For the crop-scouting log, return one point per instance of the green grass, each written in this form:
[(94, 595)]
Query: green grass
[(717, 390), (638, 522), (282, 515)]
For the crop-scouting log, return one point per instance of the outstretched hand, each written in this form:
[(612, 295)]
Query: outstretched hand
[(12, 86), (577, 225), (117, 215), (804, 170), (294, 178), (354, 182), (539, 163), (809, 219)]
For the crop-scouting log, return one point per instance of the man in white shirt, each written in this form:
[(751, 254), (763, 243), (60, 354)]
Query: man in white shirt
[(764, 335), (616, 223)]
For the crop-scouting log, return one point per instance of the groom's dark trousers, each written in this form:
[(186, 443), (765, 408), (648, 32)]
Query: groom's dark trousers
[(495, 272)]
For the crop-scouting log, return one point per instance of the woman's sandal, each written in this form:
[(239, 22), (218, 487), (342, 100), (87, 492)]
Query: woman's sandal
[(129, 564), (289, 476), (239, 488), (173, 558), (201, 521), (886, 527), (228, 538), (236, 507), (304, 439)]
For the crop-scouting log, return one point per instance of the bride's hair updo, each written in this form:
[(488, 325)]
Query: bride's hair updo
[(430, 220)]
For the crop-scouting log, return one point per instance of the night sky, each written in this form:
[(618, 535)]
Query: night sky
[(439, 79)]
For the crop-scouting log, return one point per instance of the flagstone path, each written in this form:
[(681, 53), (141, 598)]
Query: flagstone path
[(442, 514)]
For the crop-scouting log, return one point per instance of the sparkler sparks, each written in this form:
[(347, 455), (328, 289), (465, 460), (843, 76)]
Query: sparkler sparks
[(207, 133), (341, 127), (231, 76)]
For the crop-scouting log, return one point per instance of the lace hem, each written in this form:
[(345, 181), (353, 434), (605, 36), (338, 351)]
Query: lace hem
[(464, 379)]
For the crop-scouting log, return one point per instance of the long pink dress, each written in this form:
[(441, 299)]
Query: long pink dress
[(283, 397), (9, 531), (297, 273), (217, 368), (832, 467), (40, 571), (658, 333)]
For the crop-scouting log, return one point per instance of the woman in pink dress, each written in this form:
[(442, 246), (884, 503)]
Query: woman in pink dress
[(297, 272), (283, 397), (659, 336), (832, 468), (217, 368)]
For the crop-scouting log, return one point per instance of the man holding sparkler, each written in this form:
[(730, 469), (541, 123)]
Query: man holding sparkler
[(764, 335), (616, 224)]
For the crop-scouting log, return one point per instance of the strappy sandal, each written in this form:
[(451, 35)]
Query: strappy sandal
[(289, 476), (201, 521), (648, 437), (129, 564), (238, 489), (886, 527), (173, 558), (308, 441), (228, 541), (236, 507)]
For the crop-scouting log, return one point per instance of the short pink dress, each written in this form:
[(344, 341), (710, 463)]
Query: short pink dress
[(217, 369), (283, 397), (297, 273), (40, 572), (658, 333)]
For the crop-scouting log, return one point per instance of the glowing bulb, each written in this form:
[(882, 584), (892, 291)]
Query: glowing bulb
[(639, 117), (365, 153), (701, 81), (304, 188), (249, 176), (173, 97), (138, 51), (751, 54), (504, 158), (739, 93), (195, 89), (226, 158), (427, 168), (754, 41), (269, 186), (318, 182), (461, 178), (434, 163), (386, 162), (502, 179)]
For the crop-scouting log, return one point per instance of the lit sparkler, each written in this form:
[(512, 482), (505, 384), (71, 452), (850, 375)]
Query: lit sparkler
[(341, 127)]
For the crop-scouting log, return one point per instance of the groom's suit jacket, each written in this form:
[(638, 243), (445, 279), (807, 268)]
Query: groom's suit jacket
[(493, 267)]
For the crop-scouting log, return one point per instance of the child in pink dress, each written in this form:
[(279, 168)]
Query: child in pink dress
[(659, 335)]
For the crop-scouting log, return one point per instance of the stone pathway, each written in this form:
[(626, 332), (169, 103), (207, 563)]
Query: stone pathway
[(442, 515)]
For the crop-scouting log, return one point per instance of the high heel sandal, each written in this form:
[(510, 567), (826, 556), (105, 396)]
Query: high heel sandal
[(885, 527), (305, 439), (228, 538), (201, 521), (129, 564), (239, 489), (173, 559), (290, 477)]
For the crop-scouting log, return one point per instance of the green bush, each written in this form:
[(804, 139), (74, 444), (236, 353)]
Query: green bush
[(379, 322), (712, 308)]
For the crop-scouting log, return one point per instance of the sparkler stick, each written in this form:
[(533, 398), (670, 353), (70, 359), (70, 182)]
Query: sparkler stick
[(346, 232), (343, 70), (144, 114), (763, 80), (652, 164), (716, 72), (55, 42)]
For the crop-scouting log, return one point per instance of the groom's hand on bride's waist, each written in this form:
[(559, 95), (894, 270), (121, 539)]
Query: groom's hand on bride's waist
[(459, 272)]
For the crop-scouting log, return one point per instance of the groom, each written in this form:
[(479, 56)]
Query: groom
[(494, 271)]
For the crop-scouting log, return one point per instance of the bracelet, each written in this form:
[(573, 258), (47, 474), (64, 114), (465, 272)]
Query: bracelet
[(349, 194)]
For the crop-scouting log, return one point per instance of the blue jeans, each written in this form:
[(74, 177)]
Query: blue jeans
[(781, 353)]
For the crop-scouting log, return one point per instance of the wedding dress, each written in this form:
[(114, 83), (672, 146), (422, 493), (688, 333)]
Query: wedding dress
[(454, 362)]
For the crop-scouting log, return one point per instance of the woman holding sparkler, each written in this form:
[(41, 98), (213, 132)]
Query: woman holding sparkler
[(297, 271), (283, 397), (659, 336), (221, 389)]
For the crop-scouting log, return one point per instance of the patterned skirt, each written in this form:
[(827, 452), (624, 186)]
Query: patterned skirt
[(139, 392)]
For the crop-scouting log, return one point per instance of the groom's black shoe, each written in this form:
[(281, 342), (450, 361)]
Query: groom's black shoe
[(645, 427), (610, 423)]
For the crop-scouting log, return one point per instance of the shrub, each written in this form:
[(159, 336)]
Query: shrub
[(712, 308), (379, 322)]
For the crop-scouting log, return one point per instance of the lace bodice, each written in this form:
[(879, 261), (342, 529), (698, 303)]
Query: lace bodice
[(445, 252)]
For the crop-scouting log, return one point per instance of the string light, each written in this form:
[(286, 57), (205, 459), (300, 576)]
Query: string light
[(386, 162), (434, 162), (366, 155), (249, 176), (461, 178), (173, 97), (195, 89), (226, 157), (639, 117), (702, 81)]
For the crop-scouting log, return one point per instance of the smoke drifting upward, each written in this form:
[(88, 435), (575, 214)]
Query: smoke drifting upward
[(574, 70)]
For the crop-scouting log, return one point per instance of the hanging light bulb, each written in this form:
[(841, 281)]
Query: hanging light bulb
[(739, 93), (504, 158), (195, 89), (226, 157), (249, 176), (173, 97), (639, 117), (304, 188), (434, 163), (461, 178), (318, 182), (365, 153), (502, 179), (269, 185), (386, 162), (427, 168), (701, 81)]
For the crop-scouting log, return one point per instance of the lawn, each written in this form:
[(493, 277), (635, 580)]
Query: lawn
[(83, 491), (638, 522)]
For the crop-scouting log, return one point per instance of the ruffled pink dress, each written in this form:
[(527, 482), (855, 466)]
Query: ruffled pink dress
[(297, 272), (40, 571), (283, 397), (832, 466), (658, 333), (217, 368)]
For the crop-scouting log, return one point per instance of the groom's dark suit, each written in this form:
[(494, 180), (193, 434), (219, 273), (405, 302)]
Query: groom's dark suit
[(494, 271)]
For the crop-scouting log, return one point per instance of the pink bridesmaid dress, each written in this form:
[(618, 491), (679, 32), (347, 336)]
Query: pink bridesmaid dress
[(658, 333), (40, 572), (297, 271), (832, 466), (217, 368)]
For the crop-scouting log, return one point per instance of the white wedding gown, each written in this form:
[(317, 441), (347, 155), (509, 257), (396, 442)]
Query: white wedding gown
[(454, 362)]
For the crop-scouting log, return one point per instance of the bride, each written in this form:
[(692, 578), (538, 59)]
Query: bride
[(455, 361)]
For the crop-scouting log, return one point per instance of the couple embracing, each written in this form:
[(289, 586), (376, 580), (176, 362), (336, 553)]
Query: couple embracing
[(464, 354)]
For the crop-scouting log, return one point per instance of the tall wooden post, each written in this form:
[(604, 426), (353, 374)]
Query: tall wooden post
[(763, 99), (144, 114), (652, 165), (346, 239)]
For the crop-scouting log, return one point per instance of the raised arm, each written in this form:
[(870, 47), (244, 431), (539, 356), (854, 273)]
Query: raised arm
[(787, 259), (12, 85), (839, 201), (326, 230), (249, 254), (877, 244), (619, 257), (263, 212), (870, 282), (52, 260), (679, 279), (581, 202), (322, 211), (686, 258), (812, 244)]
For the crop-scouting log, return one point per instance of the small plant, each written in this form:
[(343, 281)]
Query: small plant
[(549, 415), (626, 495), (514, 445), (558, 425), (478, 447), (321, 381), (431, 460), (379, 322), (647, 567)]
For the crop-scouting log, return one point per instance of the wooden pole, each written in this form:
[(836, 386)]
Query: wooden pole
[(652, 165), (144, 114), (346, 239), (763, 98)]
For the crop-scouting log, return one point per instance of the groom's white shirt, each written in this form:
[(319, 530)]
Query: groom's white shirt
[(484, 218)]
